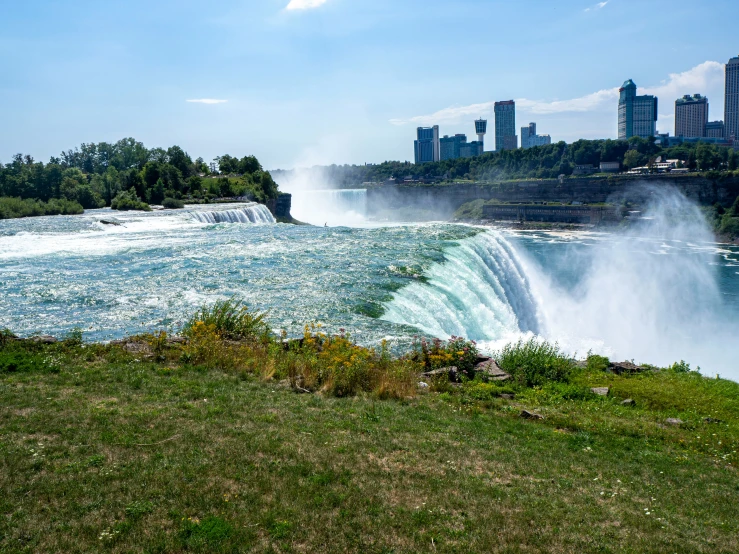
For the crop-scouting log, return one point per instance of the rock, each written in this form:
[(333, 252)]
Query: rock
[(711, 420), (109, 222), (422, 385), (619, 368), (673, 421), (600, 391), (491, 370), (43, 339), (176, 340), (508, 396), (628, 402), (451, 372), (482, 359), (530, 415)]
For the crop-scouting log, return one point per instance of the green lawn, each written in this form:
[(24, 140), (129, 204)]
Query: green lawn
[(104, 450)]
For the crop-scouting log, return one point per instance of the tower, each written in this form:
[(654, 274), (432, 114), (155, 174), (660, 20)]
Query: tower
[(481, 127), (637, 115), (691, 116), (505, 126), (731, 100)]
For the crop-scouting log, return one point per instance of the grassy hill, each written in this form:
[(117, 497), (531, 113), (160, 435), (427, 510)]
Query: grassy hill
[(154, 445)]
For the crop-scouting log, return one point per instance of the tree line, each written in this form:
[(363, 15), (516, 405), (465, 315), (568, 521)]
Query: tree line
[(94, 174), (541, 162)]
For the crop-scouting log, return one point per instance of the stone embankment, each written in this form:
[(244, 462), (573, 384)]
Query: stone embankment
[(445, 199)]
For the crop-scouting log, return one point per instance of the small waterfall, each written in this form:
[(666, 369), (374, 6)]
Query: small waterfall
[(480, 292), (251, 213)]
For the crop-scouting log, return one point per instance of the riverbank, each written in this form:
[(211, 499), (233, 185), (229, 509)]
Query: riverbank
[(139, 445)]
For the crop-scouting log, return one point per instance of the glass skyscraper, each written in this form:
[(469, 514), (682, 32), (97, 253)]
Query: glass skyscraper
[(637, 115), (426, 145), (505, 126), (731, 100)]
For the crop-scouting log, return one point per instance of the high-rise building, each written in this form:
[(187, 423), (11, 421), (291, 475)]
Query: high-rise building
[(529, 138), (450, 146), (470, 149), (715, 129), (691, 116), (637, 115), (505, 126), (731, 100), (426, 146)]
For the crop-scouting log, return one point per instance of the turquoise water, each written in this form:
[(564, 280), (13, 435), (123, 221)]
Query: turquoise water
[(656, 299)]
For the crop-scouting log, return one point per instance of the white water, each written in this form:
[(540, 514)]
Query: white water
[(251, 213), (332, 207), (650, 295)]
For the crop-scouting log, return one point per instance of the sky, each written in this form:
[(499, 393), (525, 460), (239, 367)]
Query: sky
[(305, 82)]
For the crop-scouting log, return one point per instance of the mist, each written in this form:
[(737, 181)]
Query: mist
[(650, 293)]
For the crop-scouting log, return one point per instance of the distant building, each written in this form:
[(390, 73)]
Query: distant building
[(426, 146), (731, 100), (458, 147), (637, 115), (505, 126), (481, 127), (715, 129), (584, 169), (608, 167), (450, 146), (529, 138), (691, 116), (471, 149)]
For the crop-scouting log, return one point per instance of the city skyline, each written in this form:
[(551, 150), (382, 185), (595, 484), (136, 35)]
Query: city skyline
[(231, 77)]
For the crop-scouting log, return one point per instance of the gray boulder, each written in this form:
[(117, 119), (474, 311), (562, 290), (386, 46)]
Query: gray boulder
[(600, 391), (628, 402), (491, 370), (525, 414)]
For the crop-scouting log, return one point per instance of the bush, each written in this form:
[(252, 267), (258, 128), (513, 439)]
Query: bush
[(535, 363), (11, 208), (127, 200), (598, 363), (173, 204), (456, 352), (231, 319)]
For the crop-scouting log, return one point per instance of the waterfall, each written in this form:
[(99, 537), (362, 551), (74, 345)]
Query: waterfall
[(332, 206), (480, 292), (251, 213)]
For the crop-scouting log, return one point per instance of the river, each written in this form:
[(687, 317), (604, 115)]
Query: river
[(655, 297)]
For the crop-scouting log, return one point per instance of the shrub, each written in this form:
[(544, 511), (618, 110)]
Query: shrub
[(456, 352), (535, 363), (11, 208), (598, 363), (127, 200), (231, 319), (173, 204)]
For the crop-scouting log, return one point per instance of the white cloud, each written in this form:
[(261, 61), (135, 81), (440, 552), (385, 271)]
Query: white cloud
[(207, 101), (304, 4), (703, 78), (598, 6)]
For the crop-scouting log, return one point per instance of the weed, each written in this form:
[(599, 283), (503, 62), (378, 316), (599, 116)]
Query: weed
[(535, 362), (231, 319)]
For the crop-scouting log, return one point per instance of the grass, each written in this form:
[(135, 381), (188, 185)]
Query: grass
[(109, 448)]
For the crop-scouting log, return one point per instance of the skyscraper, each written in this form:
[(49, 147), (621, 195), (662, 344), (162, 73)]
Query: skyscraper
[(715, 129), (505, 126), (691, 116), (426, 146), (450, 146), (529, 138), (731, 100), (637, 115)]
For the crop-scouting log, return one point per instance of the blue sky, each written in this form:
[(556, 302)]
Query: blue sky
[(303, 82)]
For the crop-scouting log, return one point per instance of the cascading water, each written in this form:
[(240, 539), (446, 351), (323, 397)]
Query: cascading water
[(332, 206), (480, 292), (251, 213)]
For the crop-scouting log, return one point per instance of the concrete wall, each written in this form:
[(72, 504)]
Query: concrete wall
[(445, 199)]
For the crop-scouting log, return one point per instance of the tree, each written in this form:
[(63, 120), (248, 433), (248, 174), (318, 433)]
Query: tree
[(733, 160), (633, 159)]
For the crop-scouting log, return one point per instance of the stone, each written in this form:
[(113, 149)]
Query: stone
[(530, 415), (422, 385), (491, 370), (176, 340), (673, 421), (628, 402), (43, 339), (600, 391), (619, 368), (109, 222), (508, 396), (450, 372), (711, 420)]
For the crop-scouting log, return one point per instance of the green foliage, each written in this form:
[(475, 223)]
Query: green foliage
[(535, 363), (231, 319), (597, 363), (470, 211), (173, 204), (126, 201), (11, 208), (682, 367), (208, 535), (457, 352)]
